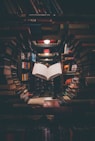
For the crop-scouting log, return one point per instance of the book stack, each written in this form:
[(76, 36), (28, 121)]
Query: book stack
[(7, 85), (73, 88), (85, 55), (9, 81), (25, 68)]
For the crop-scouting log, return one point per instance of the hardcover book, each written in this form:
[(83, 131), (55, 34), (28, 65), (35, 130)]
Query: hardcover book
[(47, 73), (5, 70)]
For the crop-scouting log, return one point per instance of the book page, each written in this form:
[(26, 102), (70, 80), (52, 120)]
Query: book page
[(54, 70), (40, 70), (44, 72)]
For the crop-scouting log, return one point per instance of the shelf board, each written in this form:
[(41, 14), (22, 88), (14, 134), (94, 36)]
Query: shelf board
[(69, 73)]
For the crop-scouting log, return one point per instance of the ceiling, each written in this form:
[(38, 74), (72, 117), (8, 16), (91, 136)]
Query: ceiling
[(25, 22)]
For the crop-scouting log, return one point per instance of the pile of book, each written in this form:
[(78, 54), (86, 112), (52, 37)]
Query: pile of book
[(10, 84), (85, 55), (73, 88)]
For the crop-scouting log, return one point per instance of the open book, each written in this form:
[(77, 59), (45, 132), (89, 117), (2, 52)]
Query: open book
[(47, 73)]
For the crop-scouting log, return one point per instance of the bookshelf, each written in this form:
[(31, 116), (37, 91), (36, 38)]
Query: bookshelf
[(68, 65), (85, 55), (70, 78), (25, 68), (10, 83)]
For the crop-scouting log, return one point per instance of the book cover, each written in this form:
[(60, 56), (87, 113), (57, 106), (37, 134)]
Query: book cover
[(33, 57), (5, 70), (47, 73)]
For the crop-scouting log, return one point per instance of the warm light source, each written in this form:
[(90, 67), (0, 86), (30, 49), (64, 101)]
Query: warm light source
[(46, 52), (47, 41)]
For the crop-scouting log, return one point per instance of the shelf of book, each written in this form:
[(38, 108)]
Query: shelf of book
[(10, 84), (69, 68), (26, 65)]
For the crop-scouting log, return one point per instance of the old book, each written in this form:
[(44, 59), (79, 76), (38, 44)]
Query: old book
[(25, 76), (47, 73), (21, 87), (7, 86), (5, 70)]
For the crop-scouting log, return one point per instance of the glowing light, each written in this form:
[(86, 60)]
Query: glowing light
[(47, 41), (46, 52)]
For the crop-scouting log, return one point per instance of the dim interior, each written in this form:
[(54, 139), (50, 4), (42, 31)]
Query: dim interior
[(32, 35), (47, 70)]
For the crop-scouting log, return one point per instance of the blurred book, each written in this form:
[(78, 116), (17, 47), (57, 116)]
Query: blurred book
[(33, 57), (5, 70)]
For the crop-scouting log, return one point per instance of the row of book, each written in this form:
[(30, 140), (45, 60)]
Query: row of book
[(25, 56), (25, 76), (73, 87), (27, 61), (84, 55), (25, 65), (10, 83)]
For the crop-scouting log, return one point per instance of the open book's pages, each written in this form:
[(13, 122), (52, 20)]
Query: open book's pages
[(54, 70), (44, 72), (40, 70)]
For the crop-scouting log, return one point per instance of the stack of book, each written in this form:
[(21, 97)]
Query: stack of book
[(7, 85), (85, 55), (73, 88), (9, 80)]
